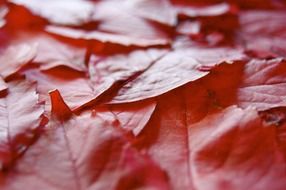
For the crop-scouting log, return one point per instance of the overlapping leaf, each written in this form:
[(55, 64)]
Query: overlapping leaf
[(142, 94), (175, 69), (133, 15), (89, 152), (106, 74)]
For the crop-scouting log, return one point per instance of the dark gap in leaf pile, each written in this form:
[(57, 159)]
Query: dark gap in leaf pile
[(142, 94)]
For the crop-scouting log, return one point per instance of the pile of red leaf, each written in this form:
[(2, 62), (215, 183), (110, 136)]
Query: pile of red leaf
[(143, 94)]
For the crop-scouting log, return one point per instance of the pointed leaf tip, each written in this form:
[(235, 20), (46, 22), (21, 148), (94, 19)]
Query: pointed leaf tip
[(59, 107)]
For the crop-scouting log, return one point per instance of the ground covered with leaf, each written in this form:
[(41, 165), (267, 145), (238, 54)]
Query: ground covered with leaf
[(142, 94)]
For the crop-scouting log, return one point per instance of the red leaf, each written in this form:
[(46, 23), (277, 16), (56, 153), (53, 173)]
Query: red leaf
[(246, 85), (204, 11), (43, 50), (142, 94), (77, 144), (105, 74), (15, 57), (143, 40), (53, 53), (75, 88), (229, 148), (165, 138), (139, 18), (131, 117), (20, 118), (264, 84), (148, 9), (233, 150), (76, 13), (263, 32), (173, 70)]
